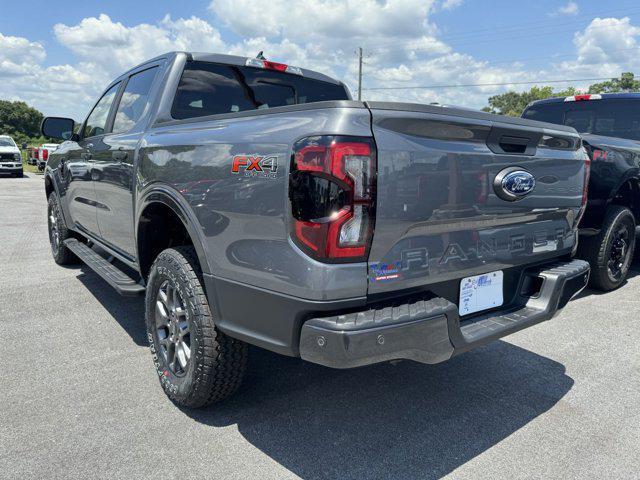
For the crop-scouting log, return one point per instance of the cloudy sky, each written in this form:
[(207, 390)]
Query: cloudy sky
[(58, 56)]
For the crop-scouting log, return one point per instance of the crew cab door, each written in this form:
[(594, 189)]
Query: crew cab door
[(113, 161), (77, 168)]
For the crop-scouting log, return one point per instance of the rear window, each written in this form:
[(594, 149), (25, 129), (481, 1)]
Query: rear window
[(209, 88), (611, 117)]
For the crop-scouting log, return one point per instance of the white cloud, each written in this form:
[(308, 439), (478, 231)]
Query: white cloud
[(19, 56), (23, 77), (102, 38), (607, 39), (326, 19), (606, 47), (451, 4), (571, 8), (18, 50), (104, 49), (402, 48)]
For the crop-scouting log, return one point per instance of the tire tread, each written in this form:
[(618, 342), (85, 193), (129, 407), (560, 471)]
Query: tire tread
[(594, 249), (224, 359)]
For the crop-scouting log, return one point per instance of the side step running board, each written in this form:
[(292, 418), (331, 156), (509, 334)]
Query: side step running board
[(123, 283)]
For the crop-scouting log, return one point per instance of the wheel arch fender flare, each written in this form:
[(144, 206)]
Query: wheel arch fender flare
[(51, 182), (632, 177), (170, 198)]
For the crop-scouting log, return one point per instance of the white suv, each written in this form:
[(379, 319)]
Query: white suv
[(10, 157)]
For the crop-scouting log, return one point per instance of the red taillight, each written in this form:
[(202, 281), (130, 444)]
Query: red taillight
[(45, 154), (267, 65), (583, 98), (36, 152), (332, 193), (279, 67)]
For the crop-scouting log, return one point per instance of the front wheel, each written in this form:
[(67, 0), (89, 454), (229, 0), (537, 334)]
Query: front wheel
[(58, 232), (610, 253), (197, 364)]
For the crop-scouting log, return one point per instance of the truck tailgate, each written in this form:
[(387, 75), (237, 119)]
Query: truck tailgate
[(439, 215)]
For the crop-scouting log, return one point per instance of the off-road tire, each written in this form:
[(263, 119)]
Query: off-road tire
[(217, 362), (597, 250), (55, 222)]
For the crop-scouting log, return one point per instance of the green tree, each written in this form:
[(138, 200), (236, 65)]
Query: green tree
[(20, 121), (513, 103), (626, 83)]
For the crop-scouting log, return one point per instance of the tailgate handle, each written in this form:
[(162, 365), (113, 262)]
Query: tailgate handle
[(513, 141), (513, 144)]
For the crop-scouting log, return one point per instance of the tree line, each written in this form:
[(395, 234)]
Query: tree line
[(21, 121), (514, 103)]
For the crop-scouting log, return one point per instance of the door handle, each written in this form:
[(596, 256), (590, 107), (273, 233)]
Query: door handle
[(119, 155)]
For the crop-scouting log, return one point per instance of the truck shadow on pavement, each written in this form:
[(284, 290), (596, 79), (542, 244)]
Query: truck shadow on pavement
[(388, 421), (404, 420), (127, 311)]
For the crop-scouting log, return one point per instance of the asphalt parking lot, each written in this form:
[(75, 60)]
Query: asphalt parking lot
[(79, 398)]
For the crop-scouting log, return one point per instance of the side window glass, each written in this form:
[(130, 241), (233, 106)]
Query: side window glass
[(134, 100), (97, 121)]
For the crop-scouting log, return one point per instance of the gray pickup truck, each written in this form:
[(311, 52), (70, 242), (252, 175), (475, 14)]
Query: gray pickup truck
[(253, 202)]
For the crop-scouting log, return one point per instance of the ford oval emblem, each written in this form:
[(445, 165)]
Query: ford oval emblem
[(513, 183)]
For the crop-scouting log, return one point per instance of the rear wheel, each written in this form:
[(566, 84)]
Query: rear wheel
[(58, 232), (197, 364), (610, 253)]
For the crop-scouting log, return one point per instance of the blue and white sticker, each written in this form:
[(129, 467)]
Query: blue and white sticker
[(481, 293)]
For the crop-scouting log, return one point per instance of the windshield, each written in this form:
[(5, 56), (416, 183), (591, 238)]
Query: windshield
[(210, 88), (6, 142), (611, 117)]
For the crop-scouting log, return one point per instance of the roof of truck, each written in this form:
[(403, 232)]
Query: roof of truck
[(232, 60), (602, 96)]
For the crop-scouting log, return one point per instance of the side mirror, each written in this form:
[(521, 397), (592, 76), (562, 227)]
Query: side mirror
[(58, 127)]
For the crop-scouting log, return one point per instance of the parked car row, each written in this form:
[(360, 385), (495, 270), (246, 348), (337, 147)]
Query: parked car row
[(253, 202), (39, 155), (11, 156)]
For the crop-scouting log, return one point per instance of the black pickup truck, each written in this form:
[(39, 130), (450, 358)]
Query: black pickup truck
[(610, 128)]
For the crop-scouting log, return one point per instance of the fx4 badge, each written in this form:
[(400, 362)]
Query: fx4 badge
[(255, 166)]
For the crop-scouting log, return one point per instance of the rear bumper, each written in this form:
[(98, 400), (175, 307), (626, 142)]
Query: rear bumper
[(431, 331)]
